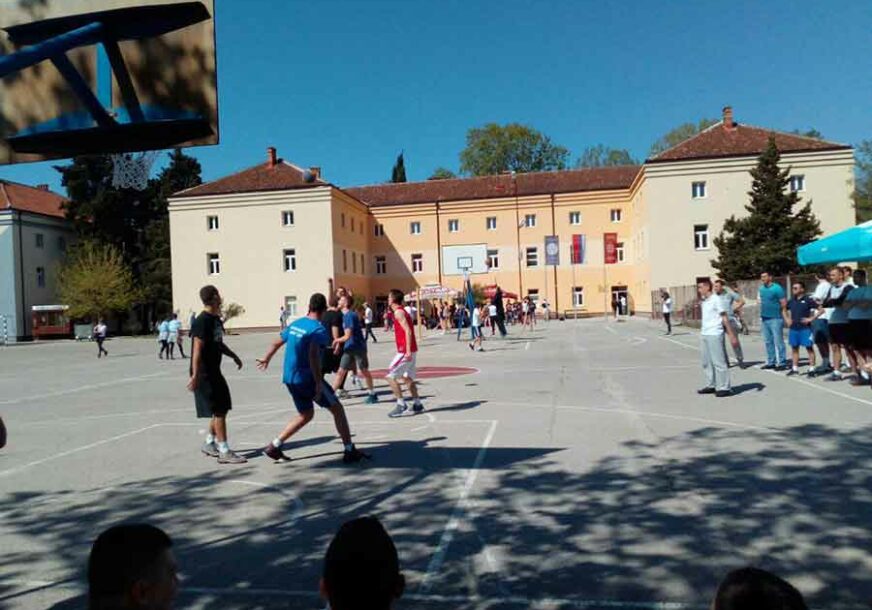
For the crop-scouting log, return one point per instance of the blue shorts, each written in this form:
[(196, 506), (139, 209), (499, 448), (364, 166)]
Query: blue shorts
[(476, 331), (800, 337), (304, 396)]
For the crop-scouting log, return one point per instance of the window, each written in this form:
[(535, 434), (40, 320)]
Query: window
[(62, 244), (417, 263), (288, 219), (342, 219), (577, 296), (616, 215), (493, 259), (491, 223), (533, 293), (697, 190), (415, 228), (352, 224), (290, 258), (40, 277), (530, 221), (345, 261), (379, 230), (619, 251), (700, 237), (453, 226), (797, 183), (212, 223), (291, 306), (575, 218), (381, 266), (214, 267), (532, 256), (362, 271), (40, 240), (353, 262)]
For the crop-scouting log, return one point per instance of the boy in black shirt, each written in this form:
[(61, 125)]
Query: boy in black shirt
[(211, 393)]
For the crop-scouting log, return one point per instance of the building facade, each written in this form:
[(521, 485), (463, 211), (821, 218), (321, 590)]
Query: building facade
[(34, 237), (665, 213)]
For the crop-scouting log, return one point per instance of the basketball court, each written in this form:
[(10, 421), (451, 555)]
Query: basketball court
[(572, 467)]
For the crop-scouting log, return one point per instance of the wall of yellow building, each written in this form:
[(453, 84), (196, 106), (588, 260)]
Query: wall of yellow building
[(351, 231)]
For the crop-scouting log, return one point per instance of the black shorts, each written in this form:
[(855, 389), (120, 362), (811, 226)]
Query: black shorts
[(212, 397), (859, 334), (840, 334)]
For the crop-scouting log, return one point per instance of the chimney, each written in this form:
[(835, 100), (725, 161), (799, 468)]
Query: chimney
[(728, 117), (42, 187), (316, 172), (271, 156)]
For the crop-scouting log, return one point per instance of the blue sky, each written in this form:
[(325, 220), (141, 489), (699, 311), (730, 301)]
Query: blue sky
[(348, 84)]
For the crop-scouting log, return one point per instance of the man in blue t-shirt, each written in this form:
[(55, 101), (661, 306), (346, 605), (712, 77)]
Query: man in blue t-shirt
[(798, 315), (353, 350), (305, 338), (772, 304)]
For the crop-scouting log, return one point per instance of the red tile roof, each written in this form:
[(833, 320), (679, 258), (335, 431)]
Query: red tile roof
[(15, 196), (282, 176), (484, 187), (740, 140)]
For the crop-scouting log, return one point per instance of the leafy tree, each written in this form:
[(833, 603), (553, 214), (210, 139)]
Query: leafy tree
[(494, 149), (398, 174), (442, 173), (95, 281), (679, 135), (604, 156), (766, 239), (809, 133), (232, 310), (863, 181)]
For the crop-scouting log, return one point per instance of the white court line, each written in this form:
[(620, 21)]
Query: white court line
[(527, 346), (654, 367), (93, 386), (56, 456), (462, 502)]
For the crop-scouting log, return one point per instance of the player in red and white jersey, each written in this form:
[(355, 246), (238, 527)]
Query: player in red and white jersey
[(402, 368)]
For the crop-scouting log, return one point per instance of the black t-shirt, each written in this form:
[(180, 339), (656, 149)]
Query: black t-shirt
[(210, 330), (330, 320)]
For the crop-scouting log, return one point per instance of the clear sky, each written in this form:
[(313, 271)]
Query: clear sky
[(347, 85)]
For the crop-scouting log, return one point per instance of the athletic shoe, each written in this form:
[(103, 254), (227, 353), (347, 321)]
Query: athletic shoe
[(354, 455), (470, 347), (743, 365), (845, 368), (767, 367), (782, 367), (834, 376), (792, 372), (274, 453), (820, 370), (209, 449), (231, 457), (723, 393), (417, 407), (706, 391), (371, 399), (355, 381), (398, 411), (342, 394)]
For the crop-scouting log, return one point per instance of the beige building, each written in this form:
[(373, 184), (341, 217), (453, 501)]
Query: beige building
[(272, 234)]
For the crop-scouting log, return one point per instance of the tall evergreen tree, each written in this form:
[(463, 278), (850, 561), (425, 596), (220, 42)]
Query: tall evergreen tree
[(766, 239), (398, 174), (863, 181)]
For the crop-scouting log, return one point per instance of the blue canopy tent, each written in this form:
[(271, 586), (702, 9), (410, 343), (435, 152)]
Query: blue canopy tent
[(854, 244)]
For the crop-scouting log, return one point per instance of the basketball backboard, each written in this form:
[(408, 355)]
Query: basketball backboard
[(82, 77), (465, 258)]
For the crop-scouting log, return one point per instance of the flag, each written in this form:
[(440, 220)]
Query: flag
[(610, 245), (579, 245)]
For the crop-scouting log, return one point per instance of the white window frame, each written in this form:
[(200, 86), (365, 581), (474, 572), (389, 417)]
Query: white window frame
[(417, 263), (616, 215), (291, 306), (381, 265), (415, 227), (699, 236), (698, 189), (493, 256), (453, 225), (800, 188), (288, 219), (619, 251), (530, 221), (212, 223), (578, 296), (575, 217), (213, 263), (378, 229), (289, 260), (534, 251), (491, 223)]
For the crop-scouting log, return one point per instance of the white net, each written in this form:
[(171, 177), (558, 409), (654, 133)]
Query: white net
[(131, 170)]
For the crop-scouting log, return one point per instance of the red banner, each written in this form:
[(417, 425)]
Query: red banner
[(578, 249), (610, 241)]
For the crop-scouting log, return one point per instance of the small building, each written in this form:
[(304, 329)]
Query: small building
[(34, 237)]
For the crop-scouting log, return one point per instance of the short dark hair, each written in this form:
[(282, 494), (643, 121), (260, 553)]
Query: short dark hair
[(396, 296), (705, 282), (756, 589), (208, 294), (362, 568), (333, 301), (798, 283), (859, 275), (120, 556), (175, 316), (317, 303)]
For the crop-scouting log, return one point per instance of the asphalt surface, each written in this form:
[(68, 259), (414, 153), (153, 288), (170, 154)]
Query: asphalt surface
[(577, 468)]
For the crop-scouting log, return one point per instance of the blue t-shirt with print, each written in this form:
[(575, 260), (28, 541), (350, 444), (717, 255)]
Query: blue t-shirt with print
[(770, 301), (298, 336), (351, 321)]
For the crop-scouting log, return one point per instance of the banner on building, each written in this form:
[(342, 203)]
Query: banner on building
[(579, 247), (552, 250), (610, 244)]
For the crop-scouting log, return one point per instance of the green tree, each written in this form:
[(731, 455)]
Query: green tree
[(442, 173), (232, 310), (95, 281), (809, 133), (766, 239), (679, 135), (494, 149), (604, 156), (398, 174), (863, 181)]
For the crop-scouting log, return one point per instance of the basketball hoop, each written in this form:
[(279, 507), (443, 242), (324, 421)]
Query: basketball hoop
[(131, 170)]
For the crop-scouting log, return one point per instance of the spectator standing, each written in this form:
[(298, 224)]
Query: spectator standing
[(733, 304), (492, 315), (475, 326), (163, 333), (859, 329), (367, 322), (666, 308), (820, 325), (100, 337), (715, 324), (838, 323), (798, 315), (772, 304), (283, 318), (501, 311)]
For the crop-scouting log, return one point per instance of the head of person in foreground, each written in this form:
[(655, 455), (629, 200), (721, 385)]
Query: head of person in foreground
[(756, 589), (362, 568), (132, 566)]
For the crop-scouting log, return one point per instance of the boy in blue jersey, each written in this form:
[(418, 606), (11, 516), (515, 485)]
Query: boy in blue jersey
[(305, 339)]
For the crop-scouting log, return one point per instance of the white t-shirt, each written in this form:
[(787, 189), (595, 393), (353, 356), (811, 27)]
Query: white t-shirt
[(100, 330), (712, 322), (667, 305), (492, 311), (820, 294), (476, 316), (367, 315)]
